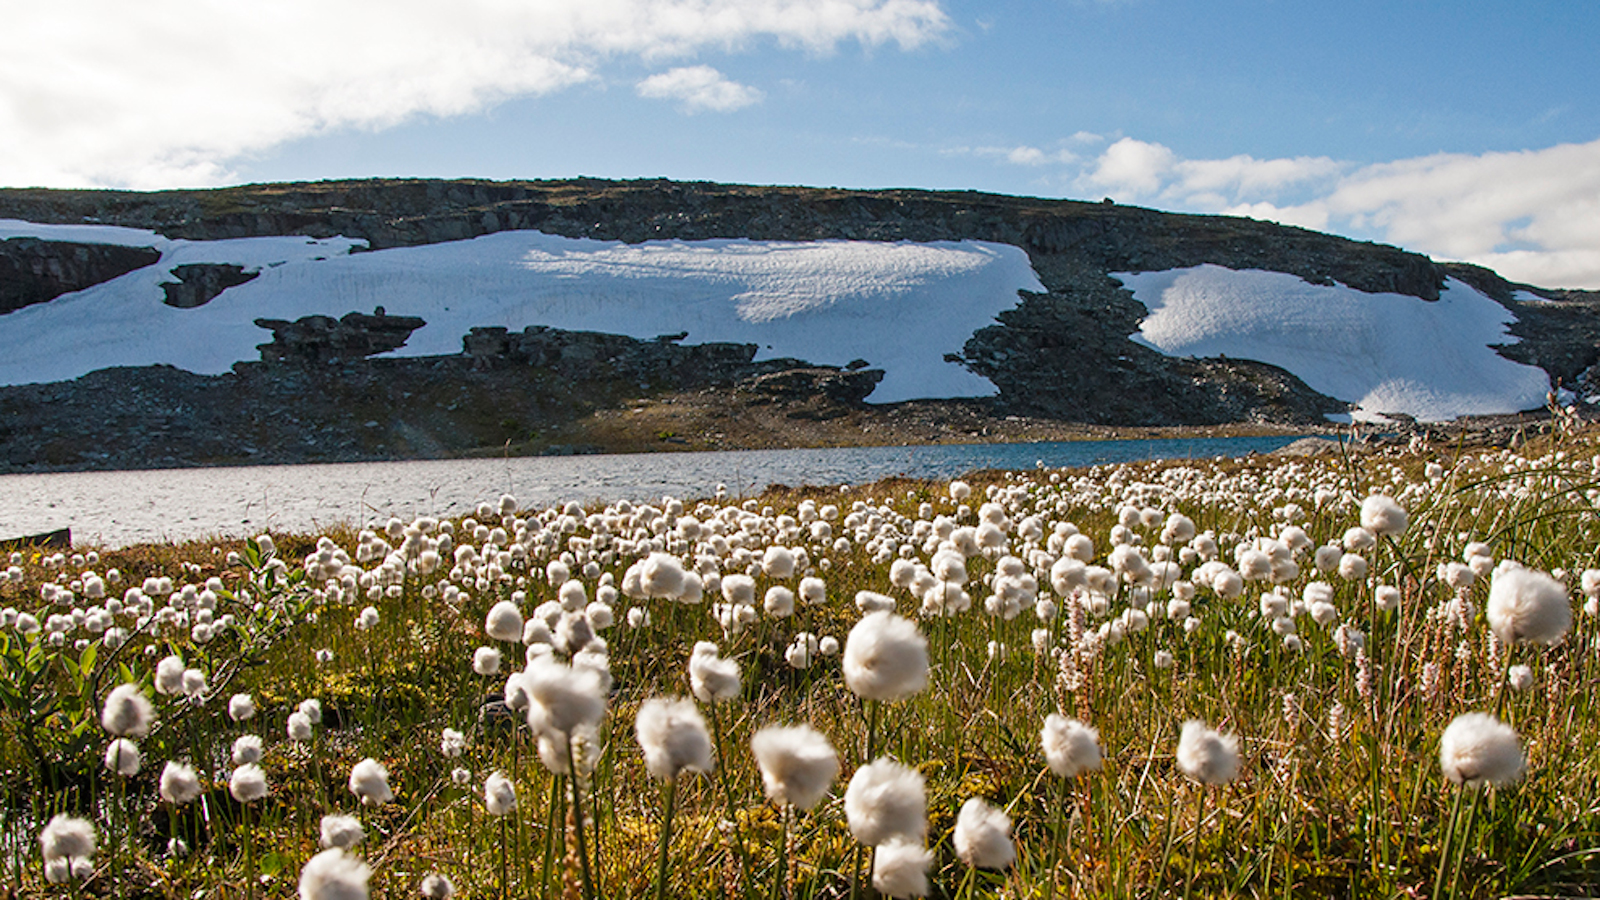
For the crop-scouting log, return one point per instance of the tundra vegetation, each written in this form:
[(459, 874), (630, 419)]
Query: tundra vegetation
[(1360, 675)]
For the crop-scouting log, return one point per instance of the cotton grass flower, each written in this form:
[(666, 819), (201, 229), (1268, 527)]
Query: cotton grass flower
[(169, 676), (179, 784), (900, 868), (1476, 749), (562, 698), (298, 727), (334, 875), (983, 836), (241, 707), (504, 622), (711, 678), (673, 736), (1207, 756), (437, 886), (67, 837), (1070, 747), (341, 831), (486, 661), (1381, 515), (122, 758), (797, 764), (885, 658), (127, 712), (247, 749), (1526, 605), (248, 783), (886, 799), (369, 781), (499, 795)]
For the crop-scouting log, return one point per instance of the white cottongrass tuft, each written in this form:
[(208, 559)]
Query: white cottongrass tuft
[(369, 781), (711, 678), (778, 602), (66, 837), (983, 836), (900, 868), (248, 783), (563, 699), (1476, 748), (128, 712), (1526, 605), (247, 749), (504, 622), (673, 735), (179, 783), (660, 575), (797, 764), (437, 886), (334, 875), (122, 757), (241, 707), (169, 676), (1207, 756), (486, 661), (886, 800), (1380, 514), (343, 832), (885, 658), (1070, 747), (778, 562), (298, 727), (499, 795)]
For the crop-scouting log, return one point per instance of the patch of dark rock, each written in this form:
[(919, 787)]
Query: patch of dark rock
[(324, 340), (200, 283), (37, 271), (843, 387)]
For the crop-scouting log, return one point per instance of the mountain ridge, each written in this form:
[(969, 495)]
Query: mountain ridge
[(1064, 354)]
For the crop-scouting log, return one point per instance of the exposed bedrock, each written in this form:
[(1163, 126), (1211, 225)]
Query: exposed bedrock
[(200, 283), (34, 271)]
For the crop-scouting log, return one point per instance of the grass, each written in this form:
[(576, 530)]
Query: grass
[(1340, 791)]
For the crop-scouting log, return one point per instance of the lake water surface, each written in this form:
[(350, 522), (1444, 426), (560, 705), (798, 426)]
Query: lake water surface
[(120, 508)]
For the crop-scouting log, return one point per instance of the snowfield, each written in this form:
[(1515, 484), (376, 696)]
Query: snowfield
[(899, 306), (1384, 353)]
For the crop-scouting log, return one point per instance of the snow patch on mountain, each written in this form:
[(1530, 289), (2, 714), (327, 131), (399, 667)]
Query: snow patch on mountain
[(900, 306), (1383, 353)]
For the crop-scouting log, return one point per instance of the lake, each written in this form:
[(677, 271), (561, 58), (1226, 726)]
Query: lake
[(119, 508)]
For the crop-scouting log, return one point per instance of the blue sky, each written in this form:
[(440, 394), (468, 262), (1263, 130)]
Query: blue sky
[(1467, 130)]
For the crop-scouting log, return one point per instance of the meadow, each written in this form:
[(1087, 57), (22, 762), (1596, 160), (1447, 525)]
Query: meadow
[(1360, 675)]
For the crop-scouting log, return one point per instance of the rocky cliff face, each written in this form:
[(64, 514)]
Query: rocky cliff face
[(1062, 354), (34, 271)]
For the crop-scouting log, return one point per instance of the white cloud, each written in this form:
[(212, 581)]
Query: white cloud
[(108, 93), (1532, 215), (1021, 155), (699, 89)]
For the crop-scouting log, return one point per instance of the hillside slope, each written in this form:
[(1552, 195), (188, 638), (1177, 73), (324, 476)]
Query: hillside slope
[(1082, 341)]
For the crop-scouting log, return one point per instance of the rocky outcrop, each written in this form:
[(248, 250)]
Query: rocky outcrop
[(320, 340), (662, 362), (34, 271), (847, 387), (200, 283)]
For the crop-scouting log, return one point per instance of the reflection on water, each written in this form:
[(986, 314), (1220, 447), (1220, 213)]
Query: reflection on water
[(119, 508)]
